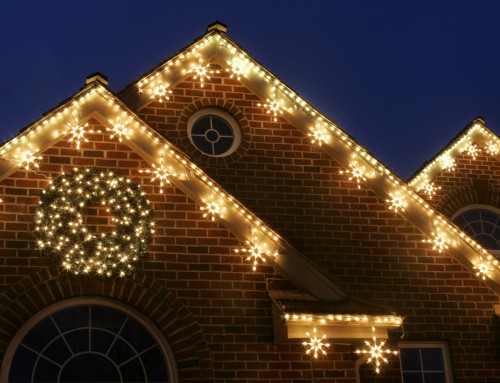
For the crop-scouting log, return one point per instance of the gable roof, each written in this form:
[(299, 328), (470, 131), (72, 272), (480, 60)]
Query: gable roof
[(96, 101), (281, 99), (474, 133)]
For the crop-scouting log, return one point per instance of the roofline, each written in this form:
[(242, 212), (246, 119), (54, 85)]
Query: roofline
[(462, 132), (291, 263), (342, 147)]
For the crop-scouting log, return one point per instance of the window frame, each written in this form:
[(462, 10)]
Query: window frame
[(222, 114), (441, 345), (99, 301), (464, 209)]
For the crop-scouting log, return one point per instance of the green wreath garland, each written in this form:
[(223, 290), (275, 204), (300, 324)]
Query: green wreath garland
[(61, 231)]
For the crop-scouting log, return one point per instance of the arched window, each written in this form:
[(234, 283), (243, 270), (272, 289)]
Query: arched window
[(481, 223), (92, 342)]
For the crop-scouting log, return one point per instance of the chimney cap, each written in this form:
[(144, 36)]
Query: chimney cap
[(217, 26), (97, 77)]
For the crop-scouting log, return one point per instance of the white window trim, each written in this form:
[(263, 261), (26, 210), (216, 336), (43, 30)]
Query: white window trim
[(472, 207), (462, 210), (26, 327), (223, 115), (444, 348)]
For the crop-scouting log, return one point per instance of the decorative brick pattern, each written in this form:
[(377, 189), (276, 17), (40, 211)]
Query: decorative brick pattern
[(473, 181)]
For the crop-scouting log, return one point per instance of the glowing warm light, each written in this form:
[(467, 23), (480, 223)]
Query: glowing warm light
[(273, 107), (375, 350), (397, 202), (200, 71), (237, 68), (493, 148), (161, 173), (256, 252), (448, 163), (119, 129), (430, 189), (315, 346), (159, 90), (483, 269), (440, 241), (357, 173), (319, 135), (77, 132), (323, 318), (213, 208), (62, 232), (27, 158), (473, 150)]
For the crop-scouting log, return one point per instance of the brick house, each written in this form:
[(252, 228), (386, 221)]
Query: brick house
[(196, 226)]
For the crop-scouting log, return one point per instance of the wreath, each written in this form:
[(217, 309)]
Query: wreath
[(62, 233)]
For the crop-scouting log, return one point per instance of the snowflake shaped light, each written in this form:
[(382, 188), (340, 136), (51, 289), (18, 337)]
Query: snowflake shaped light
[(440, 240), (397, 202), (160, 91), (357, 173), (492, 148), (77, 132), (473, 150), (315, 346), (448, 163), (256, 252), (483, 269), (273, 106), (213, 208), (27, 158), (376, 351), (237, 68), (119, 130), (161, 173), (200, 71), (319, 135), (430, 189)]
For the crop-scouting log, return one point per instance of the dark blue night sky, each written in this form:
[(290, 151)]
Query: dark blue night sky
[(401, 77)]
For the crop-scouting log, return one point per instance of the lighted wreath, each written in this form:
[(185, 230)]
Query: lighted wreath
[(61, 229)]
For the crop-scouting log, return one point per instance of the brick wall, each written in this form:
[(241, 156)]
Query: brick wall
[(371, 252), (473, 181), (212, 309)]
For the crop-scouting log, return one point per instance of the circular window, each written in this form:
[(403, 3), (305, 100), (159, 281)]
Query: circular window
[(88, 343), (214, 132)]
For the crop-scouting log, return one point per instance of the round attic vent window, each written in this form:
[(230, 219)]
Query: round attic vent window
[(214, 132)]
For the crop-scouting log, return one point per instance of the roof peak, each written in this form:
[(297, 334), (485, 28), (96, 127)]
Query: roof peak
[(97, 77), (217, 26)]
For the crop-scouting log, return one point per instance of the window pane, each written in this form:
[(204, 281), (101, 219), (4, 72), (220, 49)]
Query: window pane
[(434, 377), (100, 344), (201, 126), (410, 359), (481, 224), (412, 377), (221, 126), (432, 359)]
